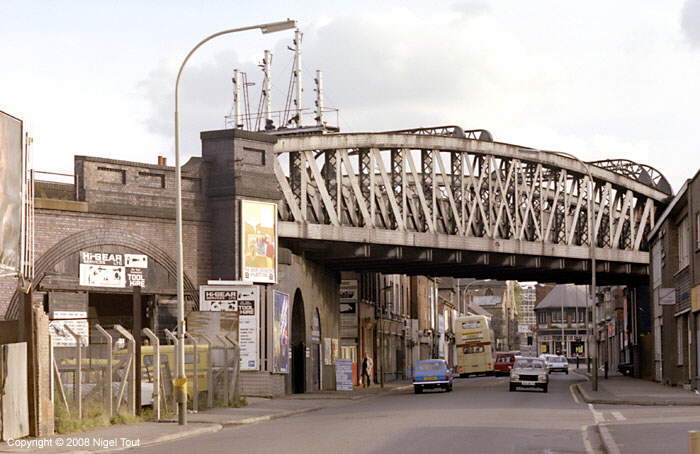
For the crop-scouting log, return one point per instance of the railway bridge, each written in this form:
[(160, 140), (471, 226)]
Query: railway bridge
[(445, 203)]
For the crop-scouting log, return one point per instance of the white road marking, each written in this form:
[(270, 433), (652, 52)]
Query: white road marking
[(598, 417), (586, 441), (573, 394), (610, 444), (618, 415)]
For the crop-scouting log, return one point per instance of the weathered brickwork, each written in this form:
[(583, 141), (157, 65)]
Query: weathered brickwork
[(147, 212)]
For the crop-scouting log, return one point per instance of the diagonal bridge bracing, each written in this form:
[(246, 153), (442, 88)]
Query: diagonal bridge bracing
[(457, 195)]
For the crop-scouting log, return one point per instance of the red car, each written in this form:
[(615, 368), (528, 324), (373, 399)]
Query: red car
[(504, 363)]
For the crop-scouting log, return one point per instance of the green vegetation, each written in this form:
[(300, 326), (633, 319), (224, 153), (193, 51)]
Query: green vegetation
[(94, 416)]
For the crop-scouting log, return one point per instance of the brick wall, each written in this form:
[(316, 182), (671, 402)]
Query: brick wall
[(137, 207)]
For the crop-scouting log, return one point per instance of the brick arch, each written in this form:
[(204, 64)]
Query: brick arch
[(93, 238)]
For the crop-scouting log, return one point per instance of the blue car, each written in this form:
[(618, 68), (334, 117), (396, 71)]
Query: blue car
[(432, 373)]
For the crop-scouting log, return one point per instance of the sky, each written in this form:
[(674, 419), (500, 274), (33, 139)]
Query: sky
[(598, 79)]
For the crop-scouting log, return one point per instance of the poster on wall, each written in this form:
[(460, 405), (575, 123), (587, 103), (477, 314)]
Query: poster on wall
[(11, 169), (76, 321), (101, 269), (259, 241), (327, 351), (245, 300), (280, 332)]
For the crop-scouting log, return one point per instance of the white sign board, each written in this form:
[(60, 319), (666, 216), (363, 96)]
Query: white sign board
[(523, 328), (98, 269), (343, 374), (76, 321), (244, 299)]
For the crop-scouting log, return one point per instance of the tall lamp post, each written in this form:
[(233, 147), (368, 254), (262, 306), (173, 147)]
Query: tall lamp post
[(592, 240), (181, 381)]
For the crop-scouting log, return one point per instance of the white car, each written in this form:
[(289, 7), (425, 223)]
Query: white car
[(529, 373), (556, 363)]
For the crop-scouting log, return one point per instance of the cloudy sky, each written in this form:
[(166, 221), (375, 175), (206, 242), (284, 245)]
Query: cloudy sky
[(598, 79)]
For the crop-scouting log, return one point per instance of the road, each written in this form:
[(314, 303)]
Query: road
[(479, 416), (635, 429)]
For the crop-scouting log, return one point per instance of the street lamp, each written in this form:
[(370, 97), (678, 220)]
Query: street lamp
[(592, 241), (463, 293), (181, 381)]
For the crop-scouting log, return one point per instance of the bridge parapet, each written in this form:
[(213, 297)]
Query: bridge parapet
[(472, 194)]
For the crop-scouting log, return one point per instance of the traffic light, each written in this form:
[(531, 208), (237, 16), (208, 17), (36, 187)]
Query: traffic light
[(529, 340)]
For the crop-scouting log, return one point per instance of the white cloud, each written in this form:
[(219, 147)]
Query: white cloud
[(584, 83), (690, 21)]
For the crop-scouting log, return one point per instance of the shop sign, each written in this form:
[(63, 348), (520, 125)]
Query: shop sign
[(667, 296), (348, 291), (244, 299), (259, 241), (114, 270), (76, 321)]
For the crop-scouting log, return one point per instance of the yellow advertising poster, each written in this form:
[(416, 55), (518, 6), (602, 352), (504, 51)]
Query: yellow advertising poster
[(259, 241), (695, 298)]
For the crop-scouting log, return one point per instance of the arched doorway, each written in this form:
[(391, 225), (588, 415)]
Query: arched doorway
[(298, 345)]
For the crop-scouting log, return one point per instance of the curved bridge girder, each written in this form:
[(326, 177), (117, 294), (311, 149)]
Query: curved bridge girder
[(459, 194)]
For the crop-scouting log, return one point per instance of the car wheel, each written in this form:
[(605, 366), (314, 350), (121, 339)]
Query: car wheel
[(417, 389), (512, 387), (544, 388), (567, 372)]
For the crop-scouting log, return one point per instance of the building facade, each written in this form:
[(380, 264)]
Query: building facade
[(561, 320), (675, 289)]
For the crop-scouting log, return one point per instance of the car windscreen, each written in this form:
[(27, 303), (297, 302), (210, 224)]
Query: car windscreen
[(560, 359), (529, 364), (429, 366)]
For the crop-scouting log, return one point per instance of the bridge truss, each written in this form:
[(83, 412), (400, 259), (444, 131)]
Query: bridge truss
[(449, 201)]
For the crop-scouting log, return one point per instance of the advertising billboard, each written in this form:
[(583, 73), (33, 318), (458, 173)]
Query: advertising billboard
[(280, 332), (259, 241), (244, 300), (11, 158)]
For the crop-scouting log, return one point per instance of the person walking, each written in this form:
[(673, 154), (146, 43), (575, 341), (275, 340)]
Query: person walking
[(366, 367)]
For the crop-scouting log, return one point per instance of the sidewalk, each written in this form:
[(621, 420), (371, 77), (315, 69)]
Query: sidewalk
[(622, 390), (121, 437)]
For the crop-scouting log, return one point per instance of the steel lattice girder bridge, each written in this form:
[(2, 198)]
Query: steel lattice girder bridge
[(440, 205)]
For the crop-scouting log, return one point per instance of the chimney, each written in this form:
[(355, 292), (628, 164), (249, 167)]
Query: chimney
[(162, 161)]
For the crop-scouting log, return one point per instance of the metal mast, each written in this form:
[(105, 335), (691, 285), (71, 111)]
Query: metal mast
[(237, 123), (319, 98), (267, 89), (297, 76)]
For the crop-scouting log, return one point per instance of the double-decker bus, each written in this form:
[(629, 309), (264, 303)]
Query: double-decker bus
[(474, 345)]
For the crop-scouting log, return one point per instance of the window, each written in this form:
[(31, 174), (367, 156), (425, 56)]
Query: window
[(683, 244), (679, 340)]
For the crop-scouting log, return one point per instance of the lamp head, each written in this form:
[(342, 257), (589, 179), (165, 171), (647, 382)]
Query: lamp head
[(278, 26)]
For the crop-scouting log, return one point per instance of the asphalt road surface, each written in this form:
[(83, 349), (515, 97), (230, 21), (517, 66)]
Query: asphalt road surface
[(479, 416)]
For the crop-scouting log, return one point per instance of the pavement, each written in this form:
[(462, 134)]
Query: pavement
[(622, 390), (618, 392), (127, 436)]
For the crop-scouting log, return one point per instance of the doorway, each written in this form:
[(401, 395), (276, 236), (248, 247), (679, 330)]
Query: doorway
[(298, 345)]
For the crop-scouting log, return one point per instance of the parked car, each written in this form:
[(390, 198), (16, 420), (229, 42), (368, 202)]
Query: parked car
[(504, 363), (432, 373), (556, 363), (529, 373)]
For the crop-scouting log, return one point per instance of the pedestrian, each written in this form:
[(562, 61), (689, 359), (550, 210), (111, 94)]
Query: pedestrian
[(366, 366)]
